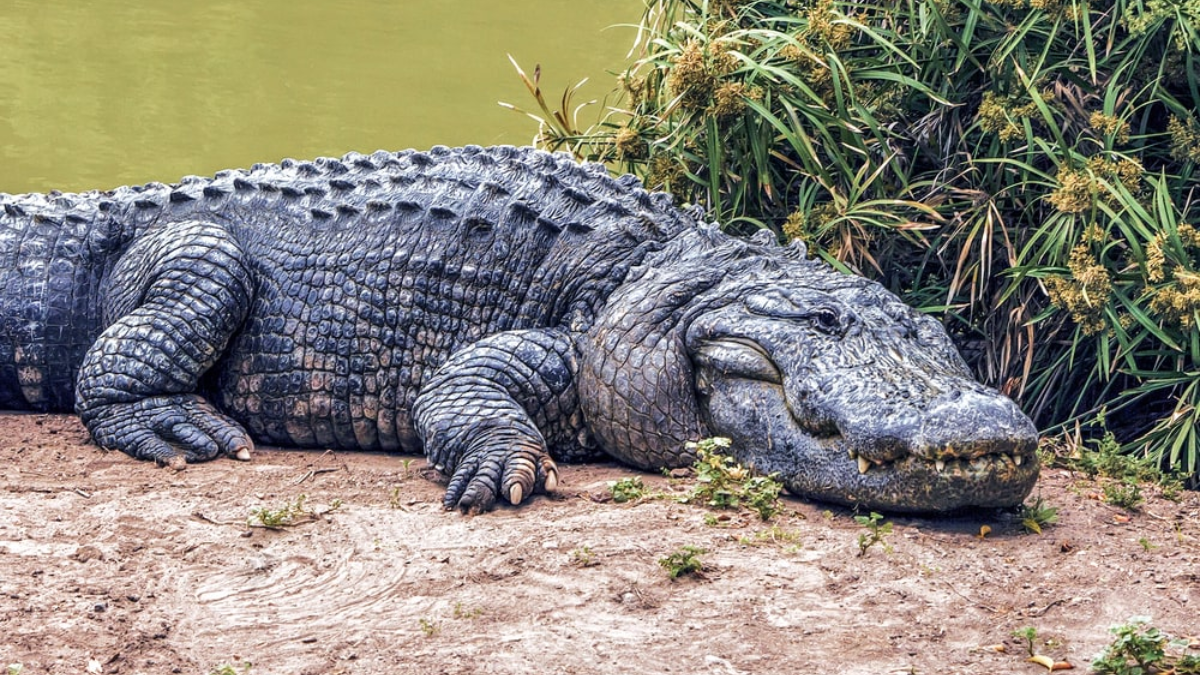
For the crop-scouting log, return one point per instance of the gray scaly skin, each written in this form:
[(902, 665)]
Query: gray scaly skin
[(500, 309)]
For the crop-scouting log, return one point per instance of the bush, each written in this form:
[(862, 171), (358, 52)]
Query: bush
[(1024, 169)]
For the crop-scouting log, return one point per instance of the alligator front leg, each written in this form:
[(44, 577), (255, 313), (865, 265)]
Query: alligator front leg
[(171, 304), (487, 413)]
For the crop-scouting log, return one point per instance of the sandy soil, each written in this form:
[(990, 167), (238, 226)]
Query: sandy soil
[(108, 565)]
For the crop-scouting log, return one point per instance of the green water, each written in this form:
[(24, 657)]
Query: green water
[(99, 93)]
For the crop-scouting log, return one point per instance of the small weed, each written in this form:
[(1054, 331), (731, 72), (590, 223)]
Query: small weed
[(1147, 546), (226, 669), (683, 561), (282, 517), (1139, 648), (14, 669), (771, 535), (1171, 488), (1029, 635), (1126, 494), (877, 533), (295, 512), (723, 483), (584, 557), (627, 489), (429, 628), (788, 541), (461, 612), (1105, 460), (394, 500), (1038, 516)]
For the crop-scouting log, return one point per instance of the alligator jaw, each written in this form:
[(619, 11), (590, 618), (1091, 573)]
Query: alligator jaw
[(980, 465), (913, 483), (995, 469)]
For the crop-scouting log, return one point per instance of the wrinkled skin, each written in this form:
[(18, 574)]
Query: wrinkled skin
[(827, 380)]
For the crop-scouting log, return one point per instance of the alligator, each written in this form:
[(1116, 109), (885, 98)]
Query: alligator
[(500, 309)]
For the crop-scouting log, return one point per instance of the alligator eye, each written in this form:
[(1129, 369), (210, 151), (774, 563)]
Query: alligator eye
[(828, 320)]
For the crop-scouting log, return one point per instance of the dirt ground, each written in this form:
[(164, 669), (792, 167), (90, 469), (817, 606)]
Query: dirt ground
[(108, 565)]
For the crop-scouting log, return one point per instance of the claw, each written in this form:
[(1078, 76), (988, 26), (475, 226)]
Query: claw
[(551, 482), (176, 463), (243, 454), (515, 494)]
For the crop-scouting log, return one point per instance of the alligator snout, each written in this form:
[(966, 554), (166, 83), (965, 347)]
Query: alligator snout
[(969, 426)]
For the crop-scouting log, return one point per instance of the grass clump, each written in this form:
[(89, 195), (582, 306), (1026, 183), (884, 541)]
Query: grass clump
[(683, 562), (1028, 172), (1138, 648)]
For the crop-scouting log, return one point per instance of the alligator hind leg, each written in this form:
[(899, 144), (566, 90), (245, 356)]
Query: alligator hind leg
[(171, 304)]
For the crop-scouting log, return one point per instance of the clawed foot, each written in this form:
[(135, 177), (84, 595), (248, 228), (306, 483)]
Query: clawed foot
[(171, 430), (512, 472)]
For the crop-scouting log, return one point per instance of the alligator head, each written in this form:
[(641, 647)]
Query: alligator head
[(824, 378)]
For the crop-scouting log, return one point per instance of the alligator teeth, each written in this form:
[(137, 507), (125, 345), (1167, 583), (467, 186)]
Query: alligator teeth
[(940, 466), (863, 464), (979, 464), (1018, 459), (852, 453)]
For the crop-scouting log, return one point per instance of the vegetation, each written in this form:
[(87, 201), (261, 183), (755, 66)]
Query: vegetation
[(787, 540), (584, 556), (683, 562), (723, 483), (1139, 648), (627, 489), (1027, 170), (428, 628), (295, 512), (1037, 516), (1126, 494), (1122, 476), (1029, 635), (877, 532)]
